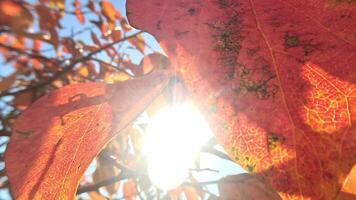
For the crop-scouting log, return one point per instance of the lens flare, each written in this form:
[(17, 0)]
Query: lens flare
[(173, 140)]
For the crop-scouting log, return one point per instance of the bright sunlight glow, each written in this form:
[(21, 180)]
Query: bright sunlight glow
[(173, 140)]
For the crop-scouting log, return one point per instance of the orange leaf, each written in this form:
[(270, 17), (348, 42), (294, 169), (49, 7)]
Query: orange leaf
[(149, 62), (78, 12), (96, 196), (175, 193), (129, 189), (83, 71), (245, 187), (110, 13), (57, 137), (138, 42), (36, 46), (116, 35), (190, 193), (348, 190), (15, 15), (108, 10)]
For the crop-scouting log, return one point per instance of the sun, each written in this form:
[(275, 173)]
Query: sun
[(174, 137)]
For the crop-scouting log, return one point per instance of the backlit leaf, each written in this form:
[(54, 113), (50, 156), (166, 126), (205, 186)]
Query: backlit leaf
[(129, 190), (138, 42), (78, 12), (149, 62), (110, 13), (7, 82), (57, 137), (15, 15), (103, 171), (245, 187), (190, 193), (280, 76)]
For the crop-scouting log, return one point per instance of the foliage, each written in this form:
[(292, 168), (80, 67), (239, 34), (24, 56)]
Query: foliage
[(275, 79)]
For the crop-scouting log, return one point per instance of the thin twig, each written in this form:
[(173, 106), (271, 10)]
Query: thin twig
[(103, 183), (112, 66), (68, 67), (204, 169), (31, 55), (213, 151)]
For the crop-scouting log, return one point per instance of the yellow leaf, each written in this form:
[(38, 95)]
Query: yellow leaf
[(119, 76), (83, 71)]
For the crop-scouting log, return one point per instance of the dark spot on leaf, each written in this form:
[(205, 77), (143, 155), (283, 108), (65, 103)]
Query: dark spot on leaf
[(291, 40), (25, 133), (251, 52), (180, 33), (223, 4), (158, 25), (250, 168), (192, 11), (273, 140)]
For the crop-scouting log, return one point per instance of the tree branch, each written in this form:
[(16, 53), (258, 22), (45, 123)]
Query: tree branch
[(122, 176), (68, 68)]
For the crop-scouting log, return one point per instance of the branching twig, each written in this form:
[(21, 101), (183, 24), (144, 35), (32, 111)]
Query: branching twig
[(69, 67)]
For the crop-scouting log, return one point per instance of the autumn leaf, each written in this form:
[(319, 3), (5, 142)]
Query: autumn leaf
[(7, 81), (190, 193), (57, 137), (110, 13), (129, 189), (245, 187), (149, 62), (348, 190), (96, 196), (138, 42), (23, 100), (104, 171), (95, 39), (280, 77), (78, 12), (15, 15)]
